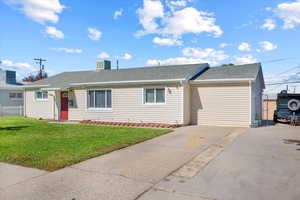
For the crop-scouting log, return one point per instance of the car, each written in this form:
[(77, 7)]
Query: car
[(288, 108)]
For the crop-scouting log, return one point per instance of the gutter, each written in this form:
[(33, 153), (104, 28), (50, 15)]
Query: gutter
[(11, 88), (127, 82), (34, 86), (53, 89), (222, 80)]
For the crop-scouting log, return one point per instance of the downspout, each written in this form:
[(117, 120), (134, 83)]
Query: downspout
[(54, 102), (24, 103), (250, 102)]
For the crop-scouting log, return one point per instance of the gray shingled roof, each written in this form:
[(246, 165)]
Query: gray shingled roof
[(131, 74), (248, 71)]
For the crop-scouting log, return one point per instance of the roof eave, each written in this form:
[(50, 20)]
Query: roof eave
[(223, 80), (128, 82), (34, 86)]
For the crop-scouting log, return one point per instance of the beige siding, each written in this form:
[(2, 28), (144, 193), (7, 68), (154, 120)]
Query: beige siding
[(128, 106), (6, 101), (221, 104), (41, 109)]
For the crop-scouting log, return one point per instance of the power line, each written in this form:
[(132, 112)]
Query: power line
[(277, 60), (282, 83), (298, 66)]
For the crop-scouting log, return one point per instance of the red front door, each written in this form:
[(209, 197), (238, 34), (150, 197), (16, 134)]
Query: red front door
[(64, 106)]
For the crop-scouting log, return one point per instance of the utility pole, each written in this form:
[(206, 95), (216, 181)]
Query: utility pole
[(294, 88), (40, 62)]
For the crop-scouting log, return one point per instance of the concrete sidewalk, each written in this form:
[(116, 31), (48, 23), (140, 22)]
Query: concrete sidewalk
[(14, 174), (125, 174), (262, 164)]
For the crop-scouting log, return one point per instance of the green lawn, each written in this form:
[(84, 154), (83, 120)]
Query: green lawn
[(38, 144)]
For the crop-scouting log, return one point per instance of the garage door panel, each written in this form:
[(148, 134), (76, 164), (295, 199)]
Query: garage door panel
[(226, 105)]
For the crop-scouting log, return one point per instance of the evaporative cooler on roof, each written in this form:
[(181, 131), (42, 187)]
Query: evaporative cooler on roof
[(104, 64)]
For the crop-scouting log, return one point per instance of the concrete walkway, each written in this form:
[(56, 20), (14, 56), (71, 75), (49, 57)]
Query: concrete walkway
[(13, 174), (262, 164), (125, 174)]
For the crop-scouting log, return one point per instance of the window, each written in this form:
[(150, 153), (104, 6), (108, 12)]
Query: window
[(16, 95), (99, 99), (154, 95), (41, 95)]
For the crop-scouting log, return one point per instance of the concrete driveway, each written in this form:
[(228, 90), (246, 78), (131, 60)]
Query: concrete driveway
[(193, 163), (123, 174), (262, 164)]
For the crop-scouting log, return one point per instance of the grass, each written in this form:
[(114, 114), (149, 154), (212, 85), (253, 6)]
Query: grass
[(38, 144)]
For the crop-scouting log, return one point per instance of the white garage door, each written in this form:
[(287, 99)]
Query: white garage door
[(220, 104)]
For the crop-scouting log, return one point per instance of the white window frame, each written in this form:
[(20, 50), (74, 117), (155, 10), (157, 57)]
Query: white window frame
[(41, 99), (99, 109), (16, 98), (154, 103)]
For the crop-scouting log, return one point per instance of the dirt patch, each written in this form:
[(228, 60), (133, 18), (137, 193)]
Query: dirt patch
[(291, 141), (194, 167)]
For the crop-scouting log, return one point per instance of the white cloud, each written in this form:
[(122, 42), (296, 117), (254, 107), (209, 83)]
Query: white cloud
[(155, 20), (290, 76), (268, 46), (40, 11), (289, 12), (223, 45), (268, 8), (209, 55), (175, 61), (94, 34), (18, 66), (245, 59), (103, 55), (53, 32), (167, 41), (178, 3), (67, 50), (117, 14), (192, 56), (191, 20), (126, 56), (244, 46), (148, 15), (268, 25)]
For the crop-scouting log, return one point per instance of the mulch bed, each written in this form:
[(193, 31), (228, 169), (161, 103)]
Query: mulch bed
[(150, 125)]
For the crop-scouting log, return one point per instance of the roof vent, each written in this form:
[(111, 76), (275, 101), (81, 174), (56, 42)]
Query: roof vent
[(103, 65)]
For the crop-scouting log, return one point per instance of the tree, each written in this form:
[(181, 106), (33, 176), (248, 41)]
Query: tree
[(33, 78)]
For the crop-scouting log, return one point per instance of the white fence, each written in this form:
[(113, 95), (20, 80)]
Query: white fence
[(6, 111)]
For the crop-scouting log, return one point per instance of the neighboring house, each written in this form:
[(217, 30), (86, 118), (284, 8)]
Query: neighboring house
[(180, 94), (11, 94)]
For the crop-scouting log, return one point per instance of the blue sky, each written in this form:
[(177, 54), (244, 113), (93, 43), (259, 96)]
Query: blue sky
[(73, 35)]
